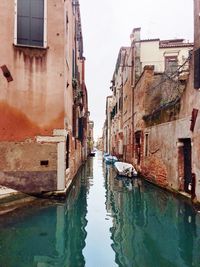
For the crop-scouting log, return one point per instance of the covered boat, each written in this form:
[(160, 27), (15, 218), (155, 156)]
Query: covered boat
[(125, 169), (105, 155), (110, 159), (92, 153)]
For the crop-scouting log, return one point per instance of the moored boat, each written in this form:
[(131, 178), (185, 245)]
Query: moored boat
[(110, 159), (92, 154), (125, 169), (105, 155)]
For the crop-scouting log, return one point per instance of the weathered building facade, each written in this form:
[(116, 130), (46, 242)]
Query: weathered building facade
[(169, 131), (115, 129), (161, 110), (107, 125), (43, 97), (90, 137)]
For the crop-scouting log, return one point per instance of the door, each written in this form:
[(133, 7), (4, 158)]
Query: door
[(187, 157), (67, 152)]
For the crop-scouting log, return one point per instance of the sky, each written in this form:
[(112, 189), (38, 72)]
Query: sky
[(107, 25)]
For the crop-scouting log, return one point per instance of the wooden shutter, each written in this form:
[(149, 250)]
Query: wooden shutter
[(30, 22), (74, 121), (80, 129), (37, 22), (197, 68), (23, 22), (193, 119)]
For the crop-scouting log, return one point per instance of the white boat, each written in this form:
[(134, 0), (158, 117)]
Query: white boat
[(125, 169)]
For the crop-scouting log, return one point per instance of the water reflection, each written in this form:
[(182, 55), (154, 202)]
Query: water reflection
[(47, 236), (106, 221), (150, 226), (98, 250)]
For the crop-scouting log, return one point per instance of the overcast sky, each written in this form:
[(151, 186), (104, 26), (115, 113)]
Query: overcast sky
[(107, 25)]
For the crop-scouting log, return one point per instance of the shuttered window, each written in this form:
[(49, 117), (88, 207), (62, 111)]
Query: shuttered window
[(80, 128), (171, 64), (30, 22), (197, 68)]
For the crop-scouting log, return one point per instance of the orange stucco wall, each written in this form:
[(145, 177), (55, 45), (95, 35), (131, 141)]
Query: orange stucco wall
[(33, 103)]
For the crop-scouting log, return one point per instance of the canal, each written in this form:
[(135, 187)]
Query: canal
[(105, 222)]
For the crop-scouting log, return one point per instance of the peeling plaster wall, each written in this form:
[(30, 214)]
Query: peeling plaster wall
[(37, 101), (33, 102), (161, 164), (69, 44), (28, 175), (196, 23), (190, 101)]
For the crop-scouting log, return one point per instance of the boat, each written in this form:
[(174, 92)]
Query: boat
[(125, 169), (105, 155), (110, 159), (92, 154)]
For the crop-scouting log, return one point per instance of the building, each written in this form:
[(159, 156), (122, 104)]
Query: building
[(115, 108), (43, 97), (166, 124), (99, 143), (160, 118), (90, 139), (166, 56), (107, 125)]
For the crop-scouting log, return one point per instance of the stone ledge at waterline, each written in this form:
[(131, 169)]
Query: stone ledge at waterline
[(12, 199), (175, 192)]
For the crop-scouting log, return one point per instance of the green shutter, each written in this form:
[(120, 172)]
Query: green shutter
[(197, 68), (30, 22)]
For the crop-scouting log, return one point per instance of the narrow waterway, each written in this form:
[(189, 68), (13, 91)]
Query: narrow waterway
[(104, 222)]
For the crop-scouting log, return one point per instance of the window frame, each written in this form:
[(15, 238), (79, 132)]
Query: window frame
[(170, 59), (44, 30)]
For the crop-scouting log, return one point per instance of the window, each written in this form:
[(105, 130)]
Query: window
[(171, 64), (197, 68), (30, 23)]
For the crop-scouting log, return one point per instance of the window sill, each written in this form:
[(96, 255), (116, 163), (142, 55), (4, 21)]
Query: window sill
[(31, 46)]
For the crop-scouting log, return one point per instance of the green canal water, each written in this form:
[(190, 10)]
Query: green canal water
[(105, 222)]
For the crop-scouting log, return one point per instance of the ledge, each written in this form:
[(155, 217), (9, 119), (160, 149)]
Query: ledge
[(31, 46)]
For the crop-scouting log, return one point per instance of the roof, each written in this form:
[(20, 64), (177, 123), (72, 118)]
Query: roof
[(174, 43), (149, 40), (169, 43)]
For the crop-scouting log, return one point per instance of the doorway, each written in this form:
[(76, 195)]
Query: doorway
[(138, 146), (186, 158), (67, 152)]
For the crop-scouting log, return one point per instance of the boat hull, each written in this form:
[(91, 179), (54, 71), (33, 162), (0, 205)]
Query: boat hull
[(125, 169)]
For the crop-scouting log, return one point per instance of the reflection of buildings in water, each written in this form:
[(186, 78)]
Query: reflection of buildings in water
[(109, 176), (89, 167), (75, 233), (69, 238), (187, 224), (88, 175), (70, 230), (50, 236), (128, 211), (145, 222), (59, 242)]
